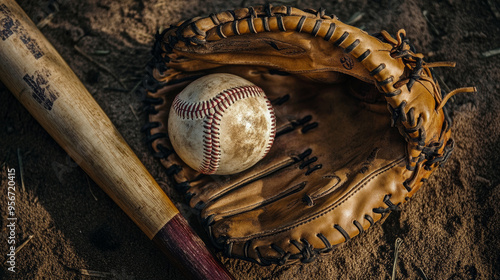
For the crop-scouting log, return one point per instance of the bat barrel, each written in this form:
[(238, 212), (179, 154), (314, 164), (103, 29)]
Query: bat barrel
[(47, 87)]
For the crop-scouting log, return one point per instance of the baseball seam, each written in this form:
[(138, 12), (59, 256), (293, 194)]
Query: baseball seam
[(213, 110)]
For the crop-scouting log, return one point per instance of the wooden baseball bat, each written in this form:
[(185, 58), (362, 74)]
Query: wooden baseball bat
[(42, 81)]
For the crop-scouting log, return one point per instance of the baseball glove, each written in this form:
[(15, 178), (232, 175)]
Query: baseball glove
[(338, 164)]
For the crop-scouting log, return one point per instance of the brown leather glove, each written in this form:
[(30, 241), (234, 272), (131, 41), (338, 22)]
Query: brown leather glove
[(337, 165)]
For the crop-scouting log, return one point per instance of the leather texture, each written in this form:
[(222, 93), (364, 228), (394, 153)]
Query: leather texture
[(360, 127)]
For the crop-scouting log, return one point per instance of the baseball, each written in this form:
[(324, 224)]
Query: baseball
[(221, 124)]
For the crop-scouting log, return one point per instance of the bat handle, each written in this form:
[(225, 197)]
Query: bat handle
[(178, 241)]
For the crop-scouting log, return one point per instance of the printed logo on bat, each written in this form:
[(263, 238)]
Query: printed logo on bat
[(42, 91), (10, 26)]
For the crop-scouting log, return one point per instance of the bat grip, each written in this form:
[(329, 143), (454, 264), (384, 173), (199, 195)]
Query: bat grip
[(178, 241)]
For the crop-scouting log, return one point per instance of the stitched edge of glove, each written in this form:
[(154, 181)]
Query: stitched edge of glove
[(394, 68)]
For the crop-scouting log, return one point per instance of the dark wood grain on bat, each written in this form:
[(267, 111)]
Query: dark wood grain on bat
[(184, 247)]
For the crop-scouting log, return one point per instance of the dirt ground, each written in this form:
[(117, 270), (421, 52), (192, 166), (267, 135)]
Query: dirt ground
[(450, 228)]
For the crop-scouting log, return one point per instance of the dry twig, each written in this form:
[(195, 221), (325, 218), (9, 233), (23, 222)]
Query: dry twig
[(21, 171), (94, 273), (134, 89), (101, 52), (133, 112), (398, 243), (24, 243), (443, 84), (20, 247), (494, 9), (422, 274), (491, 53), (90, 189), (433, 27), (41, 24), (357, 16)]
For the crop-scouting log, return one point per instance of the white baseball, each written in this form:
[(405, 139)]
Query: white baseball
[(221, 124)]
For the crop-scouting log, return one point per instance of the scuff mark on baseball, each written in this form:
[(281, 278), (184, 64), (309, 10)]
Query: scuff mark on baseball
[(221, 124)]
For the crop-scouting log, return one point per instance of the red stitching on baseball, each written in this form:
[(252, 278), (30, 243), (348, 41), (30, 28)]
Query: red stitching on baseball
[(273, 128), (213, 110)]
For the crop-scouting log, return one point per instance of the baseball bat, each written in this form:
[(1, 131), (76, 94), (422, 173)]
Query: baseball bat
[(46, 86)]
